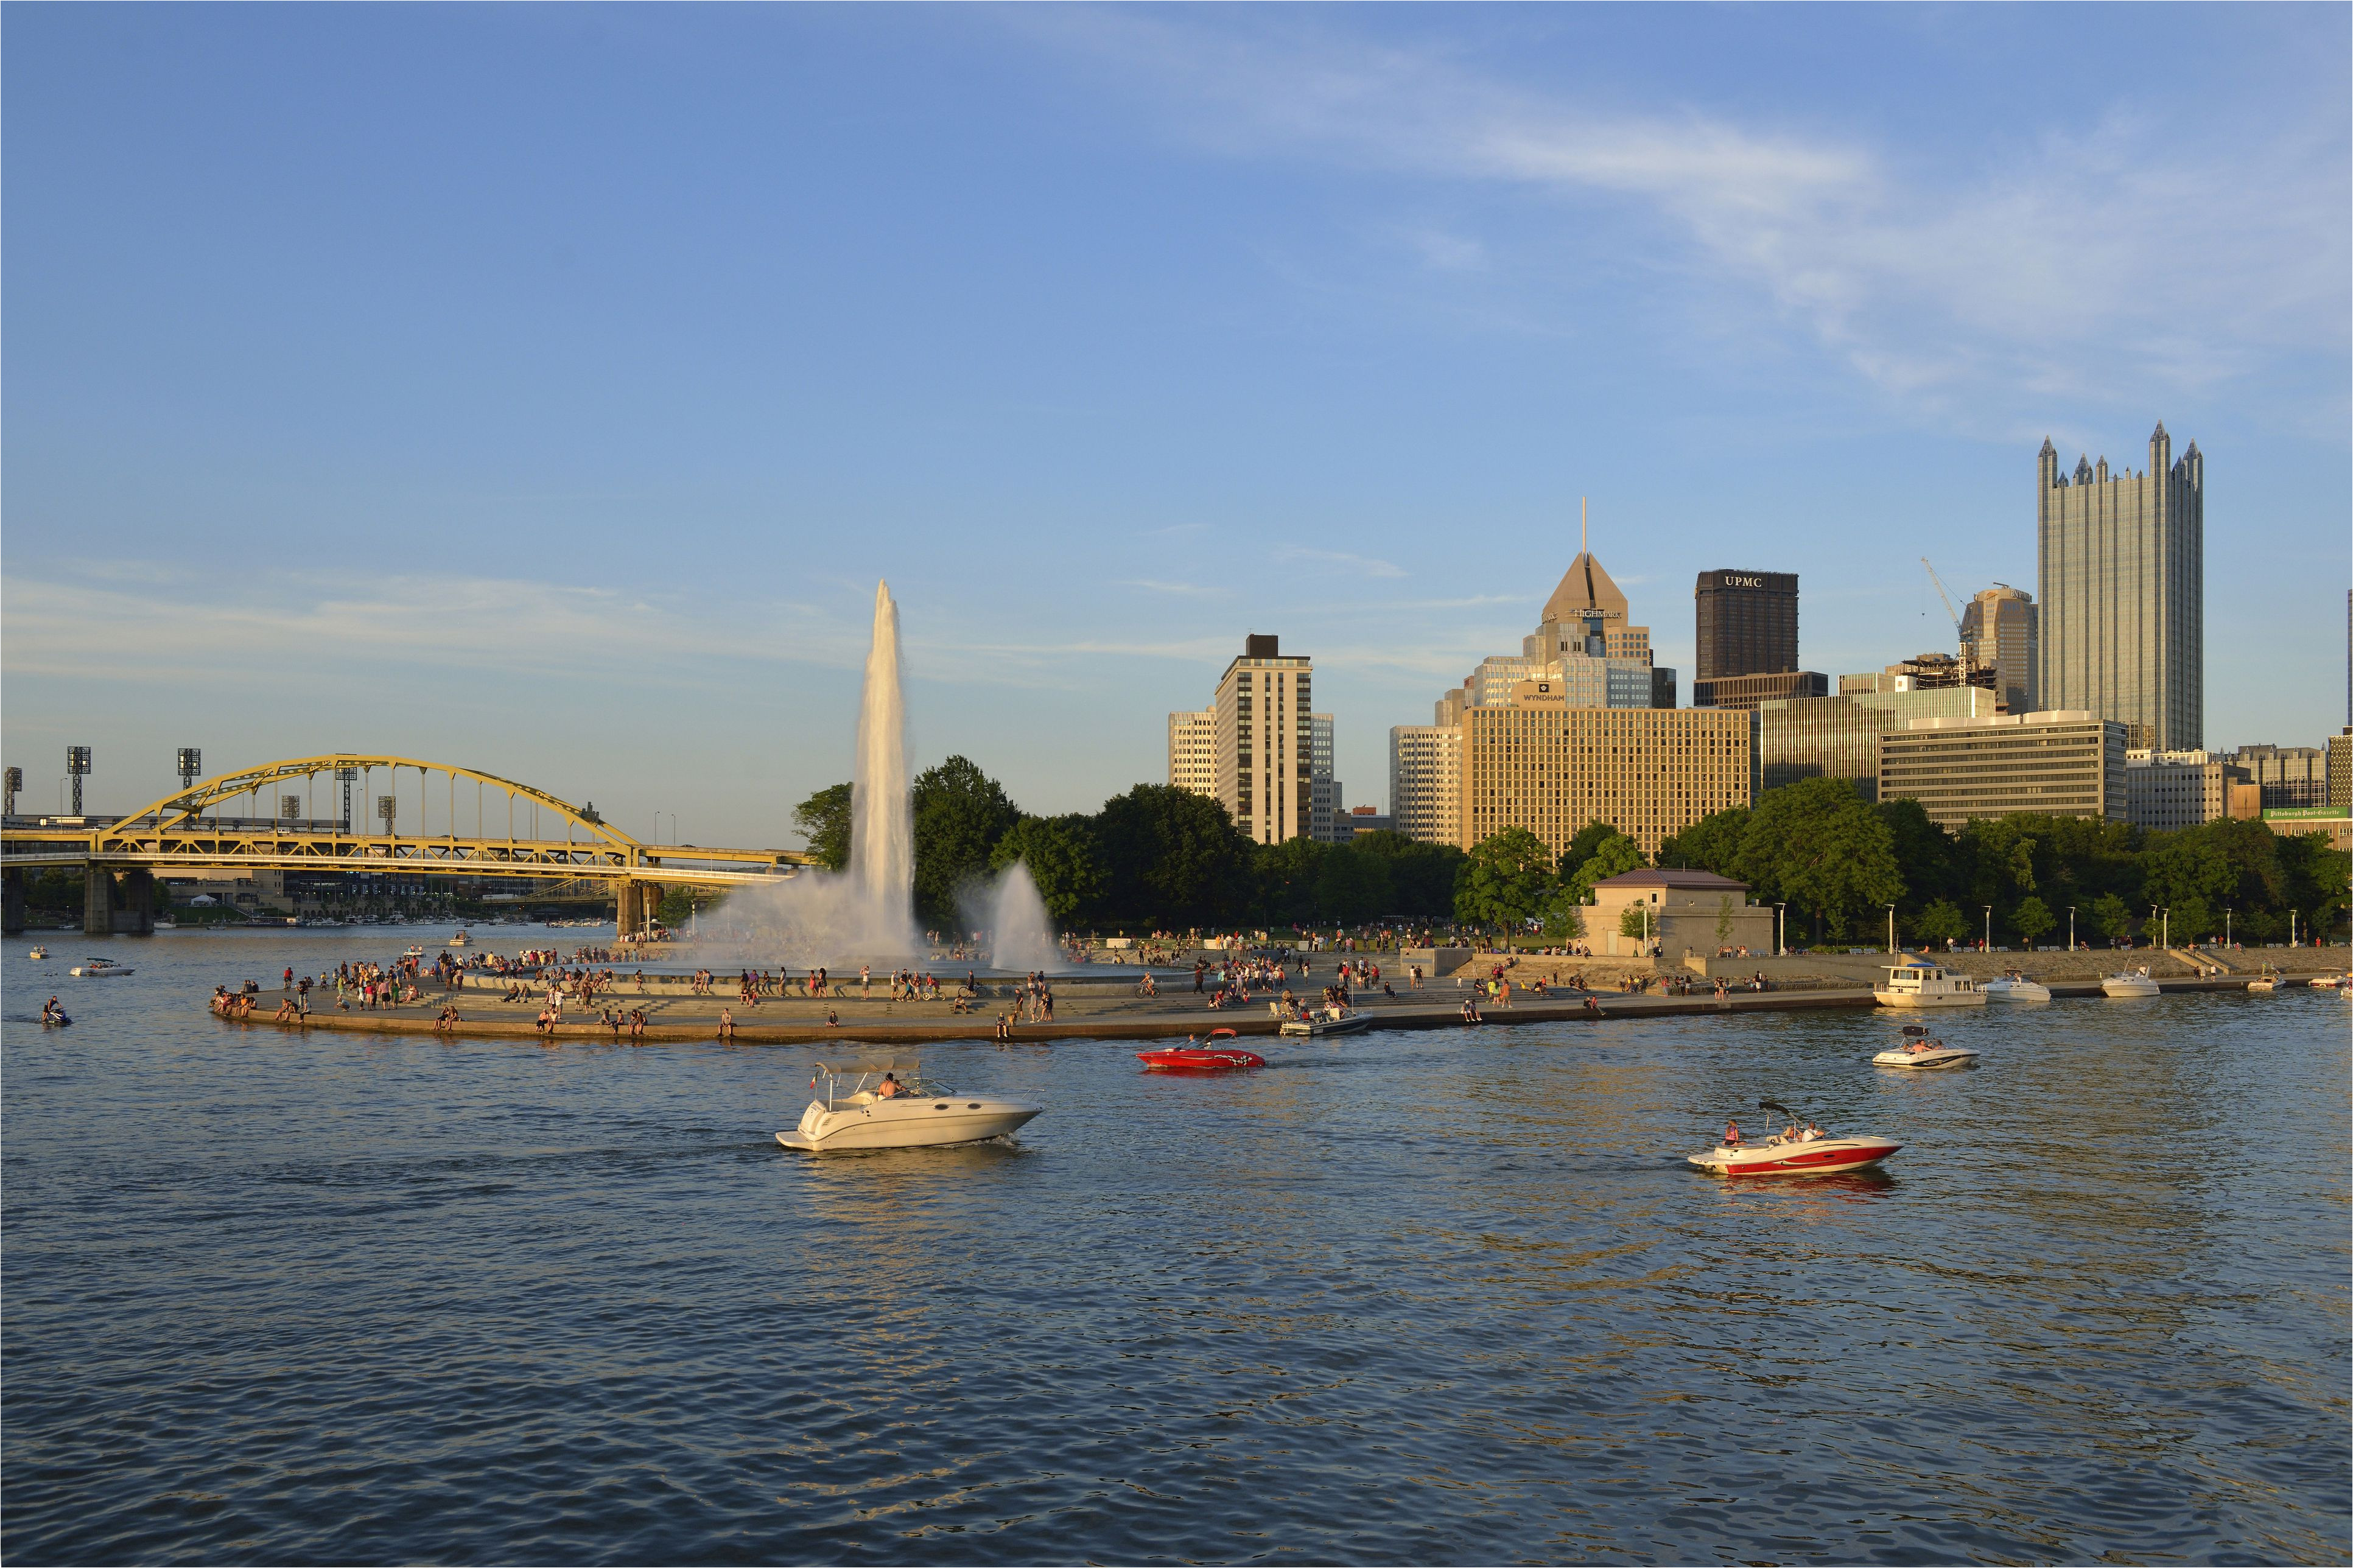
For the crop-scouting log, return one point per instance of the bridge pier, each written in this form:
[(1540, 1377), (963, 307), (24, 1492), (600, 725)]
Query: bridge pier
[(112, 908), (635, 909), (11, 907)]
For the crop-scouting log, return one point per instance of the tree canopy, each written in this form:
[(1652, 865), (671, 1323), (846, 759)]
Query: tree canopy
[(823, 819), (960, 815)]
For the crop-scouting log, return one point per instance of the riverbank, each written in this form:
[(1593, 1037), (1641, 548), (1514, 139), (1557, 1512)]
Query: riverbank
[(792, 1022)]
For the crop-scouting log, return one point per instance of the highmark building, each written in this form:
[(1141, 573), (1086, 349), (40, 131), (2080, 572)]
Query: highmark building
[(2063, 764), (1552, 768), (1584, 652)]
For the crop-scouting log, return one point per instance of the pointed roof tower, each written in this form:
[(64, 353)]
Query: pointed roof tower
[(1584, 586)]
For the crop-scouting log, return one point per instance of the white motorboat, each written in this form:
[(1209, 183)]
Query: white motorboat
[(882, 1109), (2269, 980), (1322, 1021), (413, 951), (460, 939), (1819, 1155), (98, 969), (1916, 983), (1920, 1053), (2132, 982), (2015, 987), (2328, 982)]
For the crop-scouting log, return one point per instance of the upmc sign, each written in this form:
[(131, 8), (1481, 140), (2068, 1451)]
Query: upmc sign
[(1734, 580)]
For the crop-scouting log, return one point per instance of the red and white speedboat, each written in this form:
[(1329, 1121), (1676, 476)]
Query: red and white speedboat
[(1817, 1156), (1222, 1054)]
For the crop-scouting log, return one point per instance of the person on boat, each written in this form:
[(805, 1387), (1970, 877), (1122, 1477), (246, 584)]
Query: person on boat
[(1813, 1133), (53, 1012), (1732, 1134), (888, 1087)]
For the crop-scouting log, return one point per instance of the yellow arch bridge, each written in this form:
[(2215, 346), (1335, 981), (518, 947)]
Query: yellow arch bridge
[(431, 820)]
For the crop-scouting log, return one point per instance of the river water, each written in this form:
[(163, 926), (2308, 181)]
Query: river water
[(1414, 1296)]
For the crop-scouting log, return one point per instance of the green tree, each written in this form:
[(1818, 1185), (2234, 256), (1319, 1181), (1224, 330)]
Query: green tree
[(1352, 888), (1174, 857), (1613, 857), (677, 906), (1724, 926), (2031, 918), (1924, 854), (2189, 919), (1711, 844), (1634, 920), (1507, 881), (1422, 876), (2109, 916), (2180, 867), (1817, 846), (1063, 860), (1581, 848), (960, 813), (1285, 876), (824, 821), (1941, 921), (2315, 878), (1564, 919)]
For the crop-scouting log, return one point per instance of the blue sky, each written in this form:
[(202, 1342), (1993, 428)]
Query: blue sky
[(542, 389)]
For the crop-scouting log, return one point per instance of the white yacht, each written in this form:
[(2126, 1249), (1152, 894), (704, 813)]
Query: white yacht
[(1318, 1022), (1916, 983), (891, 1107), (98, 969), (2015, 987), (2132, 982), (460, 939)]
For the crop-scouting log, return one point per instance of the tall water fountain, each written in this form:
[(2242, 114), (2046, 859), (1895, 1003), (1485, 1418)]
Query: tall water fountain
[(866, 913), (881, 811)]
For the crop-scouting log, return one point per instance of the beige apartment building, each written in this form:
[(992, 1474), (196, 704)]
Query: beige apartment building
[(1550, 768), (1193, 752), (1426, 782), (1264, 738), (2068, 762)]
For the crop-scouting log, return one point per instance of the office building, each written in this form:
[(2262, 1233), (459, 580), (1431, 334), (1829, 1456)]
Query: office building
[(2286, 778), (2121, 565), (2340, 769), (1550, 768), (1746, 691), (1837, 737), (1264, 741), (1747, 624), (2172, 790), (2001, 633), (1323, 790), (1362, 819), (2063, 764), (1425, 780), (1586, 594), (1193, 752)]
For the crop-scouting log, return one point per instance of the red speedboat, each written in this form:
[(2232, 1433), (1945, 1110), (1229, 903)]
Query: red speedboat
[(1221, 1054), (1810, 1153)]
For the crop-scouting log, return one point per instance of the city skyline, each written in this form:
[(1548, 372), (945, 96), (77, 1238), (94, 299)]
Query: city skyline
[(567, 445)]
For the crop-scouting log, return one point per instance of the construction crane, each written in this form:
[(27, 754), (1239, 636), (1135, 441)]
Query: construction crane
[(1956, 615)]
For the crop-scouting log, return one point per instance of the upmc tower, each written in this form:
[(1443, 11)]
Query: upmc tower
[(1748, 623), (2123, 567)]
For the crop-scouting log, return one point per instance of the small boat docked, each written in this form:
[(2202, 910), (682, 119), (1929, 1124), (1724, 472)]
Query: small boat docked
[(2132, 982), (1916, 983), (2015, 987), (98, 969), (1221, 1053), (884, 1110), (1920, 1053), (1322, 1021), (2269, 980), (2328, 982), (1780, 1155)]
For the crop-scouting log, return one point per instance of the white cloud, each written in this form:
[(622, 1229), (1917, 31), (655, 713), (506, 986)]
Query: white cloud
[(1370, 566), (2079, 263)]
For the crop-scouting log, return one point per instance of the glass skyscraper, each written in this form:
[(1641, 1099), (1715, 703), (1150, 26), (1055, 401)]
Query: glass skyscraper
[(2122, 560)]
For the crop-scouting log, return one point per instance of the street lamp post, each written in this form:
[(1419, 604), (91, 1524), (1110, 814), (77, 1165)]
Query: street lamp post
[(2226, 929), (1780, 931), (2071, 928), (1989, 935), (1891, 931)]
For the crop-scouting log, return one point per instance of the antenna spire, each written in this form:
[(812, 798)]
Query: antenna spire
[(1582, 546)]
